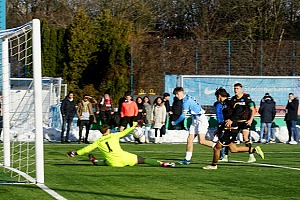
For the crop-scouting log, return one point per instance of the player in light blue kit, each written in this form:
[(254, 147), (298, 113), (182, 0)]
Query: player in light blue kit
[(199, 124)]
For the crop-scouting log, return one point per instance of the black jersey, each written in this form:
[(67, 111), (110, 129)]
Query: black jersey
[(227, 108), (243, 104)]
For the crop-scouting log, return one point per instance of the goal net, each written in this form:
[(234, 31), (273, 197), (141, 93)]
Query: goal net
[(21, 155)]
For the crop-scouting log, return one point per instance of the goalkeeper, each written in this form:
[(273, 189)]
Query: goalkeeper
[(115, 156)]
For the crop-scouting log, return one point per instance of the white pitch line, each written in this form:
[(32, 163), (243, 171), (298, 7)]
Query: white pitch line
[(40, 185), (51, 192), (267, 165)]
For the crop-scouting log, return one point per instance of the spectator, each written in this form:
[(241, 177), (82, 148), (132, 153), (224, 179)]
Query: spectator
[(68, 110), (166, 98), (267, 96), (129, 111), (159, 119), (140, 117), (85, 116), (267, 113), (117, 115), (141, 109), (122, 100), (176, 111), (148, 108), (291, 118), (105, 108)]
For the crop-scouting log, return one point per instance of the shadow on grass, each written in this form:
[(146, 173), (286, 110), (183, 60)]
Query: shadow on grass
[(73, 164), (98, 194)]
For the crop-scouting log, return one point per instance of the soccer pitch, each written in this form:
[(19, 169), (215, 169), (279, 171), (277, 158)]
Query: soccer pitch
[(276, 177)]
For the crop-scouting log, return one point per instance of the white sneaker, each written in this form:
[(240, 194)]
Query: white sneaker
[(210, 167), (293, 142), (225, 159), (251, 159)]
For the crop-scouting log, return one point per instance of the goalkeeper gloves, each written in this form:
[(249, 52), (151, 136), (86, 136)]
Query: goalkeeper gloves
[(72, 154)]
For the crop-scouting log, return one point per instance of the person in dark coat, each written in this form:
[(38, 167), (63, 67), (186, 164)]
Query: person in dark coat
[(68, 110), (291, 118), (176, 111), (267, 113), (166, 98)]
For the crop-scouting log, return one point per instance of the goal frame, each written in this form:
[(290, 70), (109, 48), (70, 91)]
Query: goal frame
[(37, 78)]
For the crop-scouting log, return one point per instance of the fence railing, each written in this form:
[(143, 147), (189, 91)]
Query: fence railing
[(154, 57)]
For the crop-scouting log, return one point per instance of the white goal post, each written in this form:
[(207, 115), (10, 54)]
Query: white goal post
[(27, 53)]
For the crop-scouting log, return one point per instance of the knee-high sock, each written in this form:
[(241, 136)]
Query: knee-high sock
[(248, 144), (153, 162)]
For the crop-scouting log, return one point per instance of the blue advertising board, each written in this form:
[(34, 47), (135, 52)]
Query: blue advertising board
[(204, 87)]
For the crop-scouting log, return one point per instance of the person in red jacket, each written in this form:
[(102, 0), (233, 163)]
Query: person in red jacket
[(129, 111)]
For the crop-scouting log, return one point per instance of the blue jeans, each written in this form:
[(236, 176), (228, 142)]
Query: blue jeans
[(292, 129), (262, 129), (66, 121)]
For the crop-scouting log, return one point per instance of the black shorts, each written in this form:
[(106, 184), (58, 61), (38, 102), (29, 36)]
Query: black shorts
[(126, 120), (228, 136), (243, 126)]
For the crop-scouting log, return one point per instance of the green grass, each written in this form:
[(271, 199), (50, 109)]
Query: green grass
[(76, 178)]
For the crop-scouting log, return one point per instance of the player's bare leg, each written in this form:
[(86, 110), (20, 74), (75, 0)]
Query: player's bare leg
[(203, 141)]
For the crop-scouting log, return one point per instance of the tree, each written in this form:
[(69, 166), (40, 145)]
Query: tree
[(112, 72), (81, 48)]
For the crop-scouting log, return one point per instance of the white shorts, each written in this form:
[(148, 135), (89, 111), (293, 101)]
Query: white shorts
[(199, 125)]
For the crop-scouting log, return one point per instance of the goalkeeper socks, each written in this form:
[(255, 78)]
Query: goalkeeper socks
[(153, 162)]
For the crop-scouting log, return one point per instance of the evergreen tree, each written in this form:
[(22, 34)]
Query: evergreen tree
[(81, 46), (113, 54)]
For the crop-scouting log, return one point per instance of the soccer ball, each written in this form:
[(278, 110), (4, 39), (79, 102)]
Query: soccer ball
[(138, 132)]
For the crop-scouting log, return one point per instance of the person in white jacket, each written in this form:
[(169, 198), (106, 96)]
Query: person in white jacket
[(159, 119)]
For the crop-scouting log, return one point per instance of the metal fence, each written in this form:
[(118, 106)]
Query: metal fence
[(154, 57)]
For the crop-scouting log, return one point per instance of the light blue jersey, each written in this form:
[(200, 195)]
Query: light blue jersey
[(189, 106)]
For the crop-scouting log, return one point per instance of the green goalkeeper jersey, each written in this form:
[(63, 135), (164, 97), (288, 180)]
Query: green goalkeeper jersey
[(109, 145)]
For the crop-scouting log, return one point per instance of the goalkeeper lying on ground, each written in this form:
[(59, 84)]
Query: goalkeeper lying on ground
[(114, 155)]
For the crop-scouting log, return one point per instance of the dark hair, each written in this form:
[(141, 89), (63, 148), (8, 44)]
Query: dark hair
[(128, 93), (166, 94), (222, 92), (238, 85), (155, 101), (291, 93), (177, 89), (85, 95), (103, 128), (138, 98), (71, 92), (147, 98)]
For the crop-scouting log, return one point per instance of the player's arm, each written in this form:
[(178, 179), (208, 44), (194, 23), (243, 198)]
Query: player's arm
[(126, 131), (237, 110), (84, 150), (253, 111), (181, 117), (219, 114)]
